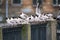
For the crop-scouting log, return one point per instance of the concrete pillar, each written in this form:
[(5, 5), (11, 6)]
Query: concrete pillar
[(51, 30), (1, 34), (26, 32), (48, 31)]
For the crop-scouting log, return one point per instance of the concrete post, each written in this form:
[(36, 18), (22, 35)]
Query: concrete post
[(48, 31), (1, 34), (26, 32), (51, 30)]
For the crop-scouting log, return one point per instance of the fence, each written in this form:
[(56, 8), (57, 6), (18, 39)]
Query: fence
[(45, 31)]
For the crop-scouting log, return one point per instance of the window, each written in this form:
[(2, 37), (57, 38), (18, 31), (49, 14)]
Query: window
[(0, 1), (12, 33), (56, 2), (35, 2), (38, 32), (58, 36), (16, 2)]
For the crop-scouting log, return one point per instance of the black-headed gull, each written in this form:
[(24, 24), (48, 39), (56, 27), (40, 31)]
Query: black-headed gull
[(37, 18), (58, 16), (9, 21), (31, 19), (49, 15), (24, 16)]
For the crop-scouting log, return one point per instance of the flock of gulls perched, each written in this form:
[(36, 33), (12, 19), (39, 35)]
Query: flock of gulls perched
[(25, 19)]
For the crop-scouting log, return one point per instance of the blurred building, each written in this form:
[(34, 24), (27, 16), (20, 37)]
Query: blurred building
[(10, 8), (14, 7)]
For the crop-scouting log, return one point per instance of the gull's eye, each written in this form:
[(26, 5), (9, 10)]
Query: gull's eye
[(16, 22), (29, 18)]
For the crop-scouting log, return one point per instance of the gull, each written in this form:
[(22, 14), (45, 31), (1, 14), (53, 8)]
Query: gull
[(24, 16), (37, 18), (58, 16), (9, 21), (19, 20), (25, 22), (49, 15), (13, 21), (16, 20), (38, 11), (31, 19), (44, 17), (28, 18)]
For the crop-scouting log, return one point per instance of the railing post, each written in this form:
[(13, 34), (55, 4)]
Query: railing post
[(51, 30), (1, 33), (48, 31), (26, 32)]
